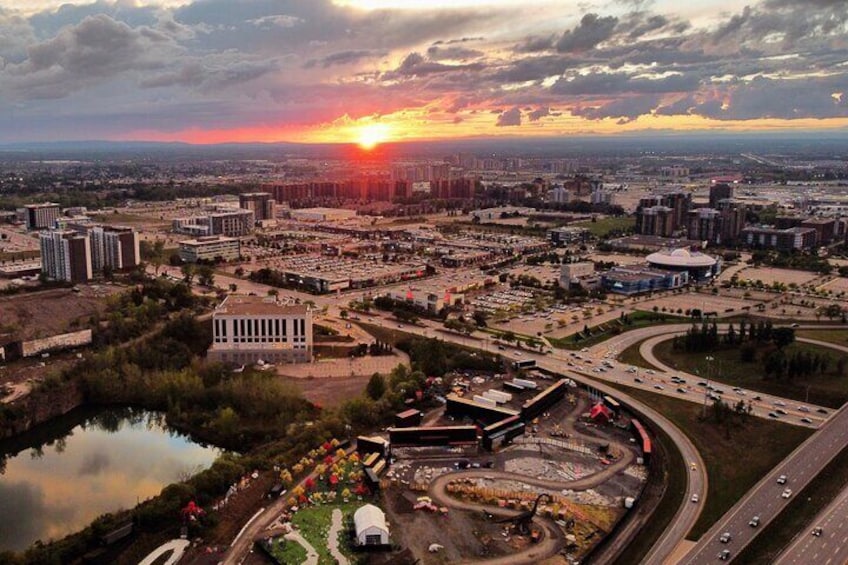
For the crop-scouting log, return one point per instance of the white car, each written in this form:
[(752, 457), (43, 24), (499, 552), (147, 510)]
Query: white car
[(781, 480), (787, 493), (695, 497)]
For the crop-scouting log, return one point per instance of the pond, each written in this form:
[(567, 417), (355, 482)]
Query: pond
[(60, 476)]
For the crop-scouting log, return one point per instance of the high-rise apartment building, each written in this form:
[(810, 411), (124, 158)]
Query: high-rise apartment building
[(65, 256), (718, 192), (41, 216), (115, 247), (262, 205), (236, 223)]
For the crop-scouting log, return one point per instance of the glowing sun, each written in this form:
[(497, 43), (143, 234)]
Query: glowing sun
[(371, 135)]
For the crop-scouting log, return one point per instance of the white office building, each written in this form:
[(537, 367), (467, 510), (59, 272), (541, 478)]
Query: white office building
[(210, 248), (247, 329)]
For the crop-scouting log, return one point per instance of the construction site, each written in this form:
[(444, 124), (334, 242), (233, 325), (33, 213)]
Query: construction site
[(510, 470)]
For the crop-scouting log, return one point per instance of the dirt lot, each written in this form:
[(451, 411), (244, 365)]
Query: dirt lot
[(769, 275), (330, 392), (836, 286), (42, 314), (706, 302)]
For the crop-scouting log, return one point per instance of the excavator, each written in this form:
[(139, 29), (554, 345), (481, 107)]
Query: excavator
[(522, 521)]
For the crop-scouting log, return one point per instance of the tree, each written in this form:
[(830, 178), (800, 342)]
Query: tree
[(188, 270), (480, 318), (343, 314), (205, 275), (783, 337), (508, 336), (376, 386)]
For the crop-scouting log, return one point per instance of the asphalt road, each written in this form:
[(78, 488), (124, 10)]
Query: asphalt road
[(831, 548), (765, 498)]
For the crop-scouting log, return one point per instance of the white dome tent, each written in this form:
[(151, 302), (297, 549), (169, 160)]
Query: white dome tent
[(370, 525)]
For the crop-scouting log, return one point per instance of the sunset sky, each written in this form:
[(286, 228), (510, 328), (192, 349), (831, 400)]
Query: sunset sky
[(209, 71)]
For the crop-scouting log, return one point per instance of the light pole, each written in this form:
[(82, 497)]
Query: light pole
[(709, 359)]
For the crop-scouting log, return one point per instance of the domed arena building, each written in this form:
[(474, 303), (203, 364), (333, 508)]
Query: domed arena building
[(701, 268)]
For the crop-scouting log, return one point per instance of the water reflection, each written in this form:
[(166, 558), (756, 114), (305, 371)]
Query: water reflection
[(102, 462)]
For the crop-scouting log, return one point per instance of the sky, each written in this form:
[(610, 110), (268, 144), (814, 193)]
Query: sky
[(211, 71)]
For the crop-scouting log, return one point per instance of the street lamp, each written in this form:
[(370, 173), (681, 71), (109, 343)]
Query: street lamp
[(709, 359)]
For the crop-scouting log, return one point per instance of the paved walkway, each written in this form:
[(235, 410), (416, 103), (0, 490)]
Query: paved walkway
[(333, 538), (177, 546), (311, 554), (347, 367)]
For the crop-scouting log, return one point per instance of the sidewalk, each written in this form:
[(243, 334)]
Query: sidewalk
[(347, 367)]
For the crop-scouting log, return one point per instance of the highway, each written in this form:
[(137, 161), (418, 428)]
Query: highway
[(765, 498), (831, 548)]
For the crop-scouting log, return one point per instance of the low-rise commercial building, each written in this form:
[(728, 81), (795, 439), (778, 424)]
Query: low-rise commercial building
[(698, 266), (322, 214), (568, 235), (781, 239), (636, 280), (247, 329), (210, 248), (570, 272)]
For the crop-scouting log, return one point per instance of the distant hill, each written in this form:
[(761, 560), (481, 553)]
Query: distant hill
[(823, 144)]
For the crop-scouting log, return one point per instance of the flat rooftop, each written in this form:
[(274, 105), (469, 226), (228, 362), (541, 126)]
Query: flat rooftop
[(245, 305)]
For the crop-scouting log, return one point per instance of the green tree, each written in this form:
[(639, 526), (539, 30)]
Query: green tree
[(376, 386), (205, 275), (188, 270)]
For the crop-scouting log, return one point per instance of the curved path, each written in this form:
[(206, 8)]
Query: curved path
[(553, 537), (177, 546), (687, 513), (333, 538)]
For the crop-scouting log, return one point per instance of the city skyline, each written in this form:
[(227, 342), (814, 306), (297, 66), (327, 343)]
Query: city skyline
[(370, 71)]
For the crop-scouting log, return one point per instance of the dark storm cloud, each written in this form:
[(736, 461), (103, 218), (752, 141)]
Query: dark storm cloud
[(626, 109), (344, 58), (614, 83), (767, 98), (94, 463), (593, 29), (533, 68), (416, 65), (511, 117), (79, 56), (538, 114), (453, 52)]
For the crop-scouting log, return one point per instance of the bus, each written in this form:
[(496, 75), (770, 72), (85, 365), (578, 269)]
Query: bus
[(524, 364)]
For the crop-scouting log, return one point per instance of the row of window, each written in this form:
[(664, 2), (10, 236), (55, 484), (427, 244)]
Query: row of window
[(261, 330)]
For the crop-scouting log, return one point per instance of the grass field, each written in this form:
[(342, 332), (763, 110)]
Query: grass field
[(838, 337), (606, 330), (631, 356), (735, 463), (829, 389), (287, 551), (313, 522), (606, 225), (796, 518)]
